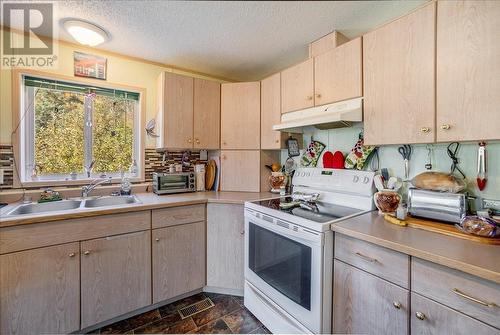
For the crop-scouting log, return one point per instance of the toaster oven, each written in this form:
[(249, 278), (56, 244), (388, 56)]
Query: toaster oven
[(168, 183)]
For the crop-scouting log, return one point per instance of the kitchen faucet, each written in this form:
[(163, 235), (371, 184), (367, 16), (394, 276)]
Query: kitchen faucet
[(96, 182)]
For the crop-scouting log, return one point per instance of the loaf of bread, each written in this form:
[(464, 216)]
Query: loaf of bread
[(438, 181), (480, 226)]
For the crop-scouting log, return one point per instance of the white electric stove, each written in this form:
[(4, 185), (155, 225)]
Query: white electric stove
[(289, 248)]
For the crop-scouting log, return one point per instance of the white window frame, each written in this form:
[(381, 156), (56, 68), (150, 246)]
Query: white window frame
[(27, 142)]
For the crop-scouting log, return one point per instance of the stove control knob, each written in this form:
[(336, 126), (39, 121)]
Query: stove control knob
[(366, 180), (355, 179)]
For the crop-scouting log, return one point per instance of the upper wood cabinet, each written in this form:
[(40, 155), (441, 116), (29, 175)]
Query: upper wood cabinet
[(270, 104), (399, 80), (115, 276), (297, 87), (206, 132), (178, 260), (326, 43), (188, 112), (175, 114), (338, 73), (468, 70), (40, 290), (240, 115)]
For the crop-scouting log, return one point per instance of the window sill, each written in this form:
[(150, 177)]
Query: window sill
[(78, 182)]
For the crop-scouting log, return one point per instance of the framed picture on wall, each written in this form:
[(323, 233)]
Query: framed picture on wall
[(89, 66)]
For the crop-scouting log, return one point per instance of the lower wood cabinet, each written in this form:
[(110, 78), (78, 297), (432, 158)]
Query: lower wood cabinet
[(429, 317), (225, 246), (115, 276), (178, 260), (40, 290), (363, 303)]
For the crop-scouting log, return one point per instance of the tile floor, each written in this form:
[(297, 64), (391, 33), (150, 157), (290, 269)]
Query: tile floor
[(228, 316)]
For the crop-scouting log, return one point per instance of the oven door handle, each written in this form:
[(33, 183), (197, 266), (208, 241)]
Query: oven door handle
[(313, 239)]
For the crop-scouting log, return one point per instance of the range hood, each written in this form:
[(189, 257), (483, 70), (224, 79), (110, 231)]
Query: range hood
[(337, 115)]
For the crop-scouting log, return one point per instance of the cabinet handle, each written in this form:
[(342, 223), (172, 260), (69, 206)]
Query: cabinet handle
[(223, 156), (477, 301), (197, 141), (86, 252), (366, 258), (425, 129), (309, 97), (445, 126), (71, 254), (396, 304), (189, 140), (318, 95), (242, 232), (277, 141), (420, 315), (224, 143), (157, 239)]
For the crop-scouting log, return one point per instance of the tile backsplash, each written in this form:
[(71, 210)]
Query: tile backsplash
[(153, 161), (344, 139)]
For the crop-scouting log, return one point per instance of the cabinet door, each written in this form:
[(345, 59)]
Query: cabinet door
[(40, 290), (337, 73), (429, 317), (297, 87), (116, 276), (178, 260), (240, 115), (176, 111), (206, 114), (225, 246), (270, 112), (399, 80), (240, 170), (468, 70), (363, 303)]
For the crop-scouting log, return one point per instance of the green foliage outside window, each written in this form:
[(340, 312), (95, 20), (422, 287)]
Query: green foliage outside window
[(59, 132)]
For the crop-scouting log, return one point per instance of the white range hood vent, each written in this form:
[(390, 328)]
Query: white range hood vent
[(337, 115)]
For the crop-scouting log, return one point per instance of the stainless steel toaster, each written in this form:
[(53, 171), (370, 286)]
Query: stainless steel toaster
[(442, 206)]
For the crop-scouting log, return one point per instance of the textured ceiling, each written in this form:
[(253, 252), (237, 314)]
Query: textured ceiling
[(238, 40)]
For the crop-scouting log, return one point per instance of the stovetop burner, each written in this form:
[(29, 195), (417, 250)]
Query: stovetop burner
[(319, 212)]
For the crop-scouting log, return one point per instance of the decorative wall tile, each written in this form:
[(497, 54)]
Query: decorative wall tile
[(153, 161), (7, 165)]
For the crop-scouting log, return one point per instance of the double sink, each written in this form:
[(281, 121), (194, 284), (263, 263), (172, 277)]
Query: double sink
[(73, 204)]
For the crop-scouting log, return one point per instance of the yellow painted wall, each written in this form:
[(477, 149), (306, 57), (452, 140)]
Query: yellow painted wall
[(120, 70)]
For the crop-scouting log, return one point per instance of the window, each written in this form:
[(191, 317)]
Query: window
[(75, 131)]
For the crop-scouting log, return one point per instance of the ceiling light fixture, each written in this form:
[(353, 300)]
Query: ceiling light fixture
[(86, 33)]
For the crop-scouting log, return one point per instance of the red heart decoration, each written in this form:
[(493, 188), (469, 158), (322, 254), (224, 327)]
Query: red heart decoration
[(338, 160), (328, 160), (481, 183)]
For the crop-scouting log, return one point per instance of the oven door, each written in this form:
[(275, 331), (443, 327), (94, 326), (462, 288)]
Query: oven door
[(286, 266)]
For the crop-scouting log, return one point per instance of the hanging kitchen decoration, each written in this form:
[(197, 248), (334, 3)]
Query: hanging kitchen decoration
[(150, 128), (452, 153), (358, 156), (481, 166), (312, 153)]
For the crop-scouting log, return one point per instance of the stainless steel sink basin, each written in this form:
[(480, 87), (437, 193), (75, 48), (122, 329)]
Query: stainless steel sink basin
[(111, 201), (35, 208)]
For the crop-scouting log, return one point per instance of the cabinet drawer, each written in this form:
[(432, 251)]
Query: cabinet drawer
[(468, 294), (177, 215), (57, 232), (388, 264), (429, 317)]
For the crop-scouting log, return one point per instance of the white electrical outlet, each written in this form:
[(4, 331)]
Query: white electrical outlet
[(1, 176)]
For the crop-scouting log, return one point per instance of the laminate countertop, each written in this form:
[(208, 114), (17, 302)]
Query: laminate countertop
[(147, 201), (482, 260)]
